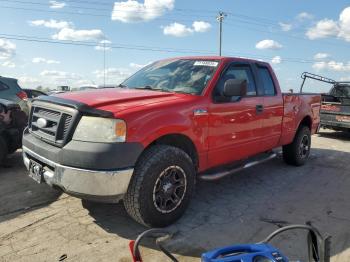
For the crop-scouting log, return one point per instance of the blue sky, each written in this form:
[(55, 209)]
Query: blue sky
[(296, 35)]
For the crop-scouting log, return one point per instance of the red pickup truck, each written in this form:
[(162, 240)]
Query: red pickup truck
[(174, 121)]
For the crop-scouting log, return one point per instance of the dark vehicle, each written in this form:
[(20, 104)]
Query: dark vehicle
[(33, 93), (335, 108), (10, 90), (12, 123)]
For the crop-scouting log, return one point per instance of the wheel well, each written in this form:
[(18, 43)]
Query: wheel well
[(306, 122), (179, 141)]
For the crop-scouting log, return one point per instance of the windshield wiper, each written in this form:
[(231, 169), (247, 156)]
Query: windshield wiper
[(147, 87), (122, 86)]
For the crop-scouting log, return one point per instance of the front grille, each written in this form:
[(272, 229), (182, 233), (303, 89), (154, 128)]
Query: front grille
[(54, 124)]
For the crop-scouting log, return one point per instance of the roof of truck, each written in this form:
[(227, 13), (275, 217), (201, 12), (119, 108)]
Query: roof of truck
[(221, 58)]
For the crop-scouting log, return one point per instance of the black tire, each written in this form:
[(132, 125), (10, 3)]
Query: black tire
[(298, 151), (3, 150), (161, 173)]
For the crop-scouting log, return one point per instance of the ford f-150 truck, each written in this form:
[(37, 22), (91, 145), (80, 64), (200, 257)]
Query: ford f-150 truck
[(174, 121)]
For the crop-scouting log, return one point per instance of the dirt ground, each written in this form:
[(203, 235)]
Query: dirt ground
[(38, 223)]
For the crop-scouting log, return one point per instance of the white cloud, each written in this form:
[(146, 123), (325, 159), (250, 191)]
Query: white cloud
[(104, 45), (84, 82), (41, 60), (324, 28), (321, 56), (57, 5), (112, 73), (132, 11), (177, 29), (268, 44), (52, 23), (71, 34), (59, 75), (201, 26), (7, 49), (332, 66), (344, 24), (276, 60), (330, 28), (304, 16), (285, 27), (136, 66), (28, 82), (181, 30), (67, 31), (8, 64), (345, 78)]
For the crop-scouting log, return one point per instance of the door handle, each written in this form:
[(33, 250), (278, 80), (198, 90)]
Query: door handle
[(259, 109)]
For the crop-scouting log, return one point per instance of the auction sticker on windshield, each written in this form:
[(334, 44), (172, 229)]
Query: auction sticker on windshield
[(206, 63)]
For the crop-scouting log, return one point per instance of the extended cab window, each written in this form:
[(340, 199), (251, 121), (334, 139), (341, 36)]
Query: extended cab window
[(241, 72), (265, 76)]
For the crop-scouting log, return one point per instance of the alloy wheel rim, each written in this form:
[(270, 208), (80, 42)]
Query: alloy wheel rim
[(169, 189), (304, 147)]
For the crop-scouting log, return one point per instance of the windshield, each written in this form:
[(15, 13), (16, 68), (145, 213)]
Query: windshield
[(341, 91), (180, 75)]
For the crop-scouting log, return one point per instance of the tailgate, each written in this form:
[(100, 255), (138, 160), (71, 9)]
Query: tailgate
[(335, 114), (297, 107)]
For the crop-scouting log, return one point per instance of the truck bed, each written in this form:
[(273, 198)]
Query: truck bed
[(296, 107)]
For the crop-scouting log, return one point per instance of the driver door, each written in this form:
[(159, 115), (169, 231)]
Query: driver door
[(235, 123)]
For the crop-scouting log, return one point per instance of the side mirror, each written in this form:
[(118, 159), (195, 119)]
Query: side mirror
[(235, 87)]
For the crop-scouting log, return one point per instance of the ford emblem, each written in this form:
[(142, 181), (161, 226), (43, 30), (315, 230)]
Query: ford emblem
[(41, 123)]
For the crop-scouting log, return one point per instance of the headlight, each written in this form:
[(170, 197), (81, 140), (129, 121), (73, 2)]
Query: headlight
[(98, 129)]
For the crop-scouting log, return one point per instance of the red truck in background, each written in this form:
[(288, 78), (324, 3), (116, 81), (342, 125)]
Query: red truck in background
[(172, 122)]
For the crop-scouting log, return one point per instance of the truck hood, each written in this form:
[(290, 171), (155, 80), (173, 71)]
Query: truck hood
[(120, 98)]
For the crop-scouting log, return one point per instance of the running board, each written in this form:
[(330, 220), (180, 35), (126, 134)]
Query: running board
[(218, 175)]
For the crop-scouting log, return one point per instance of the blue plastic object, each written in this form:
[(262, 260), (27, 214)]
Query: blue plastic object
[(245, 253)]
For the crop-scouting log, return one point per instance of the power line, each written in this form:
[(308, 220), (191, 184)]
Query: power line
[(162, 19), (93, 44), (86, 14), (237, 18), (182, 12), (140, 48)]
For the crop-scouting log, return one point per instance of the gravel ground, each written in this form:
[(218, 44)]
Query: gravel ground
[(38, 223)]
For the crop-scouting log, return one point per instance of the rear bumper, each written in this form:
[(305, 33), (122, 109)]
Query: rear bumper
[(336, 121), (106, 186)]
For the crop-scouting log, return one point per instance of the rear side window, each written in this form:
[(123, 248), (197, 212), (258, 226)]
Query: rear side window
[(3, 86), (265, 76)]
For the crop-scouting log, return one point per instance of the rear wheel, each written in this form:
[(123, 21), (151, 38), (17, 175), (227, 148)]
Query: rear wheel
[(161, 187), (298, 151), (3, 149)]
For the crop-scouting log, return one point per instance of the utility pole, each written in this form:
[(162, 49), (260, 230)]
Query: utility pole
[(220, 18), (104, 63)]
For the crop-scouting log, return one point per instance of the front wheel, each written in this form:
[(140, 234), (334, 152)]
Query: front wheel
[(161, 186), (298, 151)]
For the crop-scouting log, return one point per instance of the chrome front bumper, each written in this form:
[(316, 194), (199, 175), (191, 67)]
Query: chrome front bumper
[(106, 186)]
